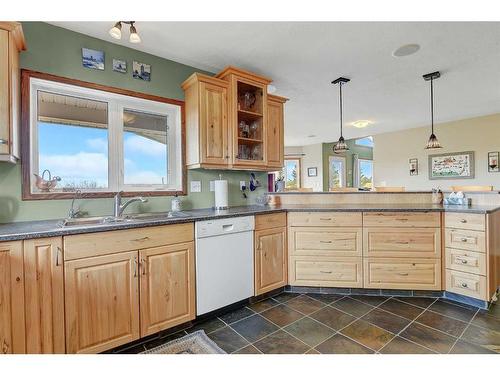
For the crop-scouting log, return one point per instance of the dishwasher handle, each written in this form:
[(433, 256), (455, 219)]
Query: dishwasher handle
[(228, 227)]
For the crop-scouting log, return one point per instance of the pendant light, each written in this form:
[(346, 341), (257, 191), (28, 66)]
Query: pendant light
[(433, 142), (116, 31), (340, 147)]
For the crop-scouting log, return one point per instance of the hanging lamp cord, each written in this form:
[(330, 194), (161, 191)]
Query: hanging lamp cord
[(340, 88), (432, 106)]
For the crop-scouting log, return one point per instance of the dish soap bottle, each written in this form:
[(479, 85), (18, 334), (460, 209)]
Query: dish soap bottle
[(176, 204)]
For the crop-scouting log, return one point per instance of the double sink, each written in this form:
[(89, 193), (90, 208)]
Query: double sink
[(108, 220)]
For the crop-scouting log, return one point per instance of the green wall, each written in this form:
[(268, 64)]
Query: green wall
[(363, 153), (55, 50)]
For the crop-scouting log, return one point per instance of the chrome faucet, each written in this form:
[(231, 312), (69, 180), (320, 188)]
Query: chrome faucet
[(72, 213), (119, 207)]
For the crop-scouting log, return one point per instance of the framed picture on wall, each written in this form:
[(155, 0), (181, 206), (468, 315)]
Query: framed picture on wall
[(92, 59), (493, 165), (455, 165), (312, 172), (413, 164), (141, 71)]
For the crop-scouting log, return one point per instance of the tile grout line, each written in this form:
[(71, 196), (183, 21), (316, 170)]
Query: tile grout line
[(465, 329)]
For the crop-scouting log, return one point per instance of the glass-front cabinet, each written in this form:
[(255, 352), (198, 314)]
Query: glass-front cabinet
[(237, 103)]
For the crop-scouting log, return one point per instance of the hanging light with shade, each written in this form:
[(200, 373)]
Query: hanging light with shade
[(116, 31), (433, 142), (340, 147)]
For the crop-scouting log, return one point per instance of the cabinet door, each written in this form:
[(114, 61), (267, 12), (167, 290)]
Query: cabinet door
[(275, 137), (4, 93), (44, 295), (102, 302), (12, 330), (270, 259), (213, 124), (167, 287)]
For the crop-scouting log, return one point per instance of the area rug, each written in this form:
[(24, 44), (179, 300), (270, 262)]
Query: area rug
[(194, 343)]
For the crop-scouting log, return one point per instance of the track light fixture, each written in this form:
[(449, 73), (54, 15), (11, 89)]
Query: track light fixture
[(116, 31)]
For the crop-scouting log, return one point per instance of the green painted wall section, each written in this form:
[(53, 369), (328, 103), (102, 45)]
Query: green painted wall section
[(58, 51), (363, 153)]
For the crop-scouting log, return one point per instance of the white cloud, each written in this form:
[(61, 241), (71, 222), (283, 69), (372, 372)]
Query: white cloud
[(80, 166), (98, 144), (145, 146), (143, 177)]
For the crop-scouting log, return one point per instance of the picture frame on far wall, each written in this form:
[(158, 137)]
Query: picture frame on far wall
[(92, 59), (493, 162), (141, 71), (413, 165), (119, 66), (312, 172), (451, 166)]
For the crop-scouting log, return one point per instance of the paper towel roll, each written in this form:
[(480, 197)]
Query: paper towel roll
[(221, 194)]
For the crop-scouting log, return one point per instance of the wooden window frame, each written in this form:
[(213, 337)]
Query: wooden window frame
[(299, 171), (27, 194), (344, 174)]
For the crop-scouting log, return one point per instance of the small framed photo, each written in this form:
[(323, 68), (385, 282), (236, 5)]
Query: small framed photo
[(493, 165), (141, 71), (119, 66), (413, 164), (92, 59), (312, 172)]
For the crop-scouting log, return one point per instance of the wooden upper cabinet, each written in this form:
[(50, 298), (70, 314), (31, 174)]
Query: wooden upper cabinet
[(270, 259), (206, 122), (231, 122), (12, 329), (101, 302), (167, 287), (11, 43), (44, 295), (275, 131)]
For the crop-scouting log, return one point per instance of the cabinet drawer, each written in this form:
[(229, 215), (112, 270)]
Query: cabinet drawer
[(325, 219), (402, 219), (391, 273), (464, 221), (326, 241), (467, 261), (268, 221), (466, 284), (93, 244), (343, 272), (402, 242), (465, 239)]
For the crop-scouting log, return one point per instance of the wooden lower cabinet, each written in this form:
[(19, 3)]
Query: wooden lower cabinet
[(12, 330), (167, 287), (44, 295), (270, 259), (402, 273), (467, 284), (102, 302), (342, 272)]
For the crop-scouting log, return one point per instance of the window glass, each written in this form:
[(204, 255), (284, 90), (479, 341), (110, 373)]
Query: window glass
[(365, 173), (367, 142), (292, 174), (72, 141), (336, 172), (145, 148)]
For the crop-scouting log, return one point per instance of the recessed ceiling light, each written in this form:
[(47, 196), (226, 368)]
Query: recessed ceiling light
[(406, 50), (361, 123)]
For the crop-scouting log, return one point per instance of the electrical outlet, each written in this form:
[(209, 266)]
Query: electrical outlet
[(242, 185), (212, 185), (195, 186)]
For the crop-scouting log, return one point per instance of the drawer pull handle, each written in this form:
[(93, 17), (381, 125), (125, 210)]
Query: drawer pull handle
[(325, 241), (143, 265), (141, 239), (403, 273), (325, 218), (464, 240), (59, 251), (3, 142), (403, 242), (464, 285), (136, 264), (325, 271), (464, 261), (463, 221), (402, 218)]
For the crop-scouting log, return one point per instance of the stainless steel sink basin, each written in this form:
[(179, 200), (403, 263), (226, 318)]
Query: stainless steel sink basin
[(104, 220)]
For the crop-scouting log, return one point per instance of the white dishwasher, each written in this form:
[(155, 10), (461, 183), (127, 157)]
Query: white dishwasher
[(224, 262)]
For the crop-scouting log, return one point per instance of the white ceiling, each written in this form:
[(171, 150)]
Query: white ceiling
[(304, 57)]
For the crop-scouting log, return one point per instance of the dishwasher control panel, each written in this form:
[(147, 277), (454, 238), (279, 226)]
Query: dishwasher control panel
[(219, 227)]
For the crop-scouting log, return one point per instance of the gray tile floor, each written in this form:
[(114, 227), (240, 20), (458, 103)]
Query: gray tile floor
[(293, 323)]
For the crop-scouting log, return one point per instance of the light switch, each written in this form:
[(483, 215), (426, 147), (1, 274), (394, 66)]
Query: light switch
[(195, 186)]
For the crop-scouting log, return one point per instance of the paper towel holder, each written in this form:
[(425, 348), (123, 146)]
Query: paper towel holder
[(219, 207)]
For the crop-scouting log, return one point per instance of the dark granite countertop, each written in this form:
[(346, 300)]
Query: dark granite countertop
[(49, 228)]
